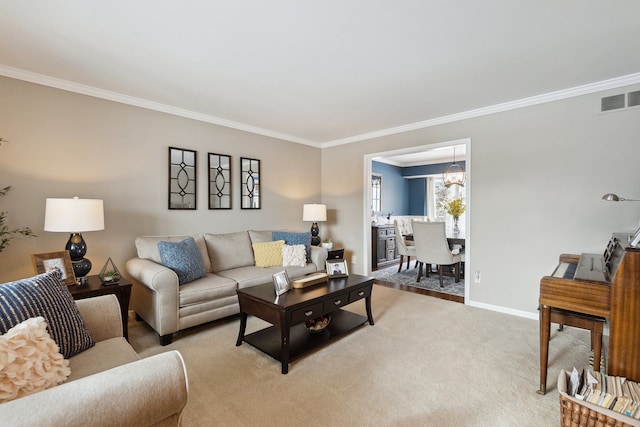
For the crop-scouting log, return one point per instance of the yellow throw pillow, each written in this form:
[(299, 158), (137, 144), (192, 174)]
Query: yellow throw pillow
[(268, 254)]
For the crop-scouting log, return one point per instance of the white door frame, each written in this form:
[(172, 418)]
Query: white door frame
[(366, 208)]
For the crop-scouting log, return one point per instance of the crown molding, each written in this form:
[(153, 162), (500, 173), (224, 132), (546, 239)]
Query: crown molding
[(69, 86), (498, 108), (66, 85)]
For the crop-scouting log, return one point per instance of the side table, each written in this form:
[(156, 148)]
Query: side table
[(94, 288)]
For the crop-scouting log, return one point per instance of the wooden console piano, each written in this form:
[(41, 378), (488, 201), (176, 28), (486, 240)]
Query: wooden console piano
[(598, 285)]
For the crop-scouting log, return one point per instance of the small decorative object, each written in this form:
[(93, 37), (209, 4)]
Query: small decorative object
[(249, 183), (455, 207), (310, 280), (337, 268), (45, 262), (219, 181), (327, 244), (109, 275), (281, 282), (318, 324), (182, 178)]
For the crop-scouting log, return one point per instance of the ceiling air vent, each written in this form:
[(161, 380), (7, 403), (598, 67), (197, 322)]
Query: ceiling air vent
[(612, 102), (633, 98)]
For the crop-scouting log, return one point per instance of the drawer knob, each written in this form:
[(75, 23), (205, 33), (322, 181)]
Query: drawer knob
[(337, 302), (308, 313), (361, 293)]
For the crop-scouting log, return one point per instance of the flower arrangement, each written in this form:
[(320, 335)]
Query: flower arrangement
[(455, 207)]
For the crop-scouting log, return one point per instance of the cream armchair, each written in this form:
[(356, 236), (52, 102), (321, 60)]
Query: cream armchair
[(109, 385)]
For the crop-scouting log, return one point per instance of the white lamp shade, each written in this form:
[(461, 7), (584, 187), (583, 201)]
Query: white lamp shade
[(314, 212), (74, 215)]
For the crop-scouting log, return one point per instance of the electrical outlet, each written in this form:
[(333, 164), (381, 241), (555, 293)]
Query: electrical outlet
[(353, 259), (476, 276)]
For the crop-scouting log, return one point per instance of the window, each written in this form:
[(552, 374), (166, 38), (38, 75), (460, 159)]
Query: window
[(376, 193), (436, 195)]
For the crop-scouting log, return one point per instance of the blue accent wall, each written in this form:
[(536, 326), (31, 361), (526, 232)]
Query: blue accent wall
[(395, 188), (406, 196)]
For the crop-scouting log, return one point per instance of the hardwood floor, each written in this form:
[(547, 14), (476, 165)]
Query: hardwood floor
[(413, 289)]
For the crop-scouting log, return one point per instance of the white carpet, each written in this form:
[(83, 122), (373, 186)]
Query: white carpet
[(426, 361)]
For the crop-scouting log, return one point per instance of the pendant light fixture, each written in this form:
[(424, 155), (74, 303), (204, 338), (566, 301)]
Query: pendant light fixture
[(454, 174)]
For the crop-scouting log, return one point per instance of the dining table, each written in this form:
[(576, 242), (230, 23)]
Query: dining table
[(453, 238)]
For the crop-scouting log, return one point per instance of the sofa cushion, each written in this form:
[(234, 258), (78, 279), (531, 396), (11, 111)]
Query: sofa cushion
[(291, 238), (211, 287), (147, 247), (251, 275), (260, 236), (268, 254), (30, 361), (104, 355), (45, 295), (294, 256), (230, 250), (184, 258)]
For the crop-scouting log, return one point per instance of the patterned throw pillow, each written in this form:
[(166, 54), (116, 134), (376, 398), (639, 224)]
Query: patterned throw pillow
[(268, 254), (46, 295), (30, 361), (184, 258), (291, 238), (294, 256)]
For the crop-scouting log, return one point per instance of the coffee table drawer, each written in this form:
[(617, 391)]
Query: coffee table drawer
[(336, 302), (309, 312), (359, 294)]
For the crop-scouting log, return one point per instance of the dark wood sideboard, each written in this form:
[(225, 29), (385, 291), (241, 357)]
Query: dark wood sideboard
[(383, 245)]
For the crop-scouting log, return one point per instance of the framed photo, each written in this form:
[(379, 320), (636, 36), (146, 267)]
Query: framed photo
[(43, 263), (337, 268), (281, 282)]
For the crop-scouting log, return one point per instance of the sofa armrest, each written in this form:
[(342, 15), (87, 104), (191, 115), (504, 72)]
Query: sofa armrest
[(318, 257), (151, 391), (102, 316), (155, 294)]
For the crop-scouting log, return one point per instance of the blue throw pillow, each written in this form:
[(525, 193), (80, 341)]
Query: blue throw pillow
[(46, 295), (184, 258), (291, 238)]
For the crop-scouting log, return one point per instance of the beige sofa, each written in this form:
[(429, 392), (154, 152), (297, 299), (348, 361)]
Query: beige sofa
[(109, 385), (229, 261)]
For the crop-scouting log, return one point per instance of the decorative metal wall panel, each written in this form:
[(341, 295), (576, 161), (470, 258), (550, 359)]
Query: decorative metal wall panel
[(219, 181), (249, 183), (182, 178)]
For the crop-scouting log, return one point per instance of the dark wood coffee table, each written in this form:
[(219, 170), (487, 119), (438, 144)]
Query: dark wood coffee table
[(288, 338)]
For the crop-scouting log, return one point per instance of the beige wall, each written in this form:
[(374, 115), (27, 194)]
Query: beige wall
[(64, 144), (537, 176)]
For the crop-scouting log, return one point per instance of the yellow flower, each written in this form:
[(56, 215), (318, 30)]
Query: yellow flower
[(455, 207)]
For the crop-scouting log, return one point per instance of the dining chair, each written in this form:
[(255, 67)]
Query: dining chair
[(404, 250), (432, 247)]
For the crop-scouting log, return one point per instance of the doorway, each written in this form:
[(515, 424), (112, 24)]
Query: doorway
[(425, 154)]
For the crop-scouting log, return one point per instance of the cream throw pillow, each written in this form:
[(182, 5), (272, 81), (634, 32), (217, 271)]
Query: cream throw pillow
[(268, 254), (30, 361), (294, 256)]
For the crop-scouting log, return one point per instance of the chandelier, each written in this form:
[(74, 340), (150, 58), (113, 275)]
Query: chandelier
[(454, 174)]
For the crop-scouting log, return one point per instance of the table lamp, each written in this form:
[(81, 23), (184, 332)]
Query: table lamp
[(314, 213), (75, 216)]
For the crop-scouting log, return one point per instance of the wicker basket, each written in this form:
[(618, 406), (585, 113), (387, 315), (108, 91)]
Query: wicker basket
[(578, 413)]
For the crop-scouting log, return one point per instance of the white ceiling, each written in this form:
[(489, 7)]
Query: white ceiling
[(321, 72)]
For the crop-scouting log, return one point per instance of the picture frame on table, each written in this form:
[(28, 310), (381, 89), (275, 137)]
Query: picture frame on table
[(337, 268), (281, 282), (61, 260)]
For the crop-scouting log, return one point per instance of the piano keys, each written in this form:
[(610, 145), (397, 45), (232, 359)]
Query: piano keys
[(602, 286)]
